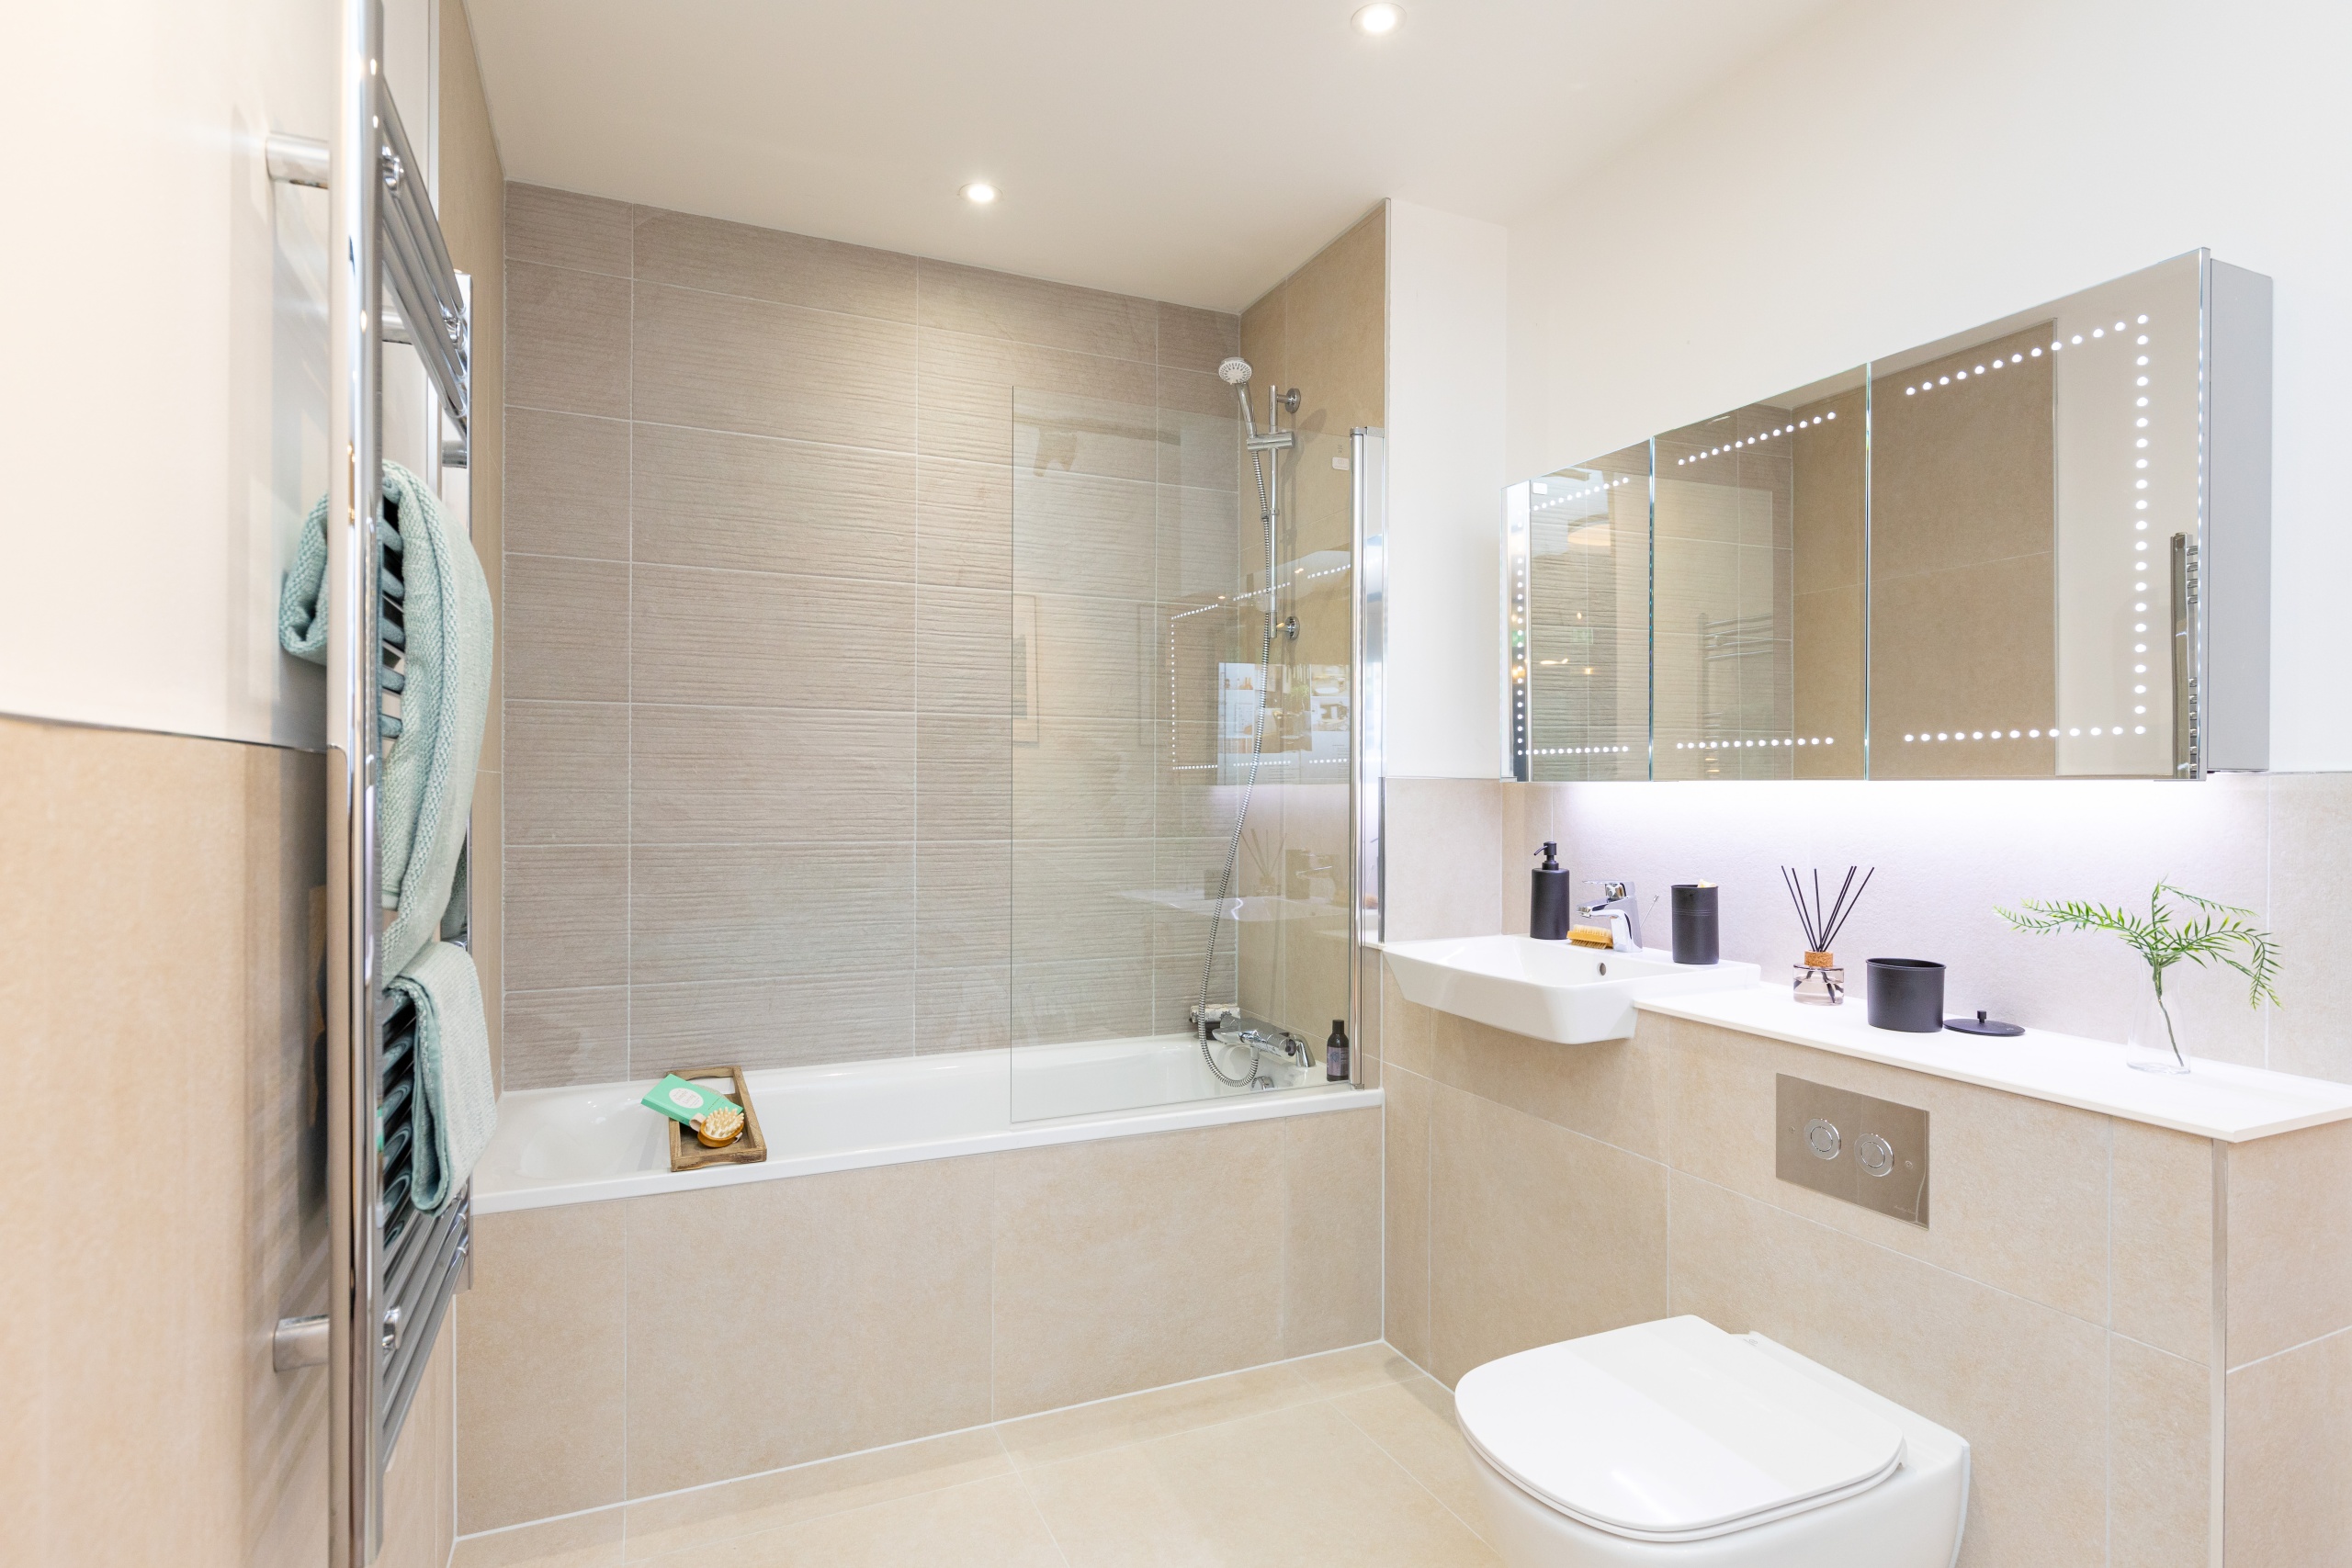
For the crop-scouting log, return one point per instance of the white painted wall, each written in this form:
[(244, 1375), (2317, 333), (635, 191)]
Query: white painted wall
[(1903, 169), (163, 416), (1447, 315)]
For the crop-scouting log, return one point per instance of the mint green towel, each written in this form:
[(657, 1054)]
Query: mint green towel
[(457, 1107), (427, 786)]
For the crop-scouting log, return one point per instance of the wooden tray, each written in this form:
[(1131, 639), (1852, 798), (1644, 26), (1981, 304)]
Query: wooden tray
[(687, 1151)]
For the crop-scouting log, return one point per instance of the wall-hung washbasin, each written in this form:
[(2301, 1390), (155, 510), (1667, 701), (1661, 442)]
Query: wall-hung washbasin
[(1551, 990)]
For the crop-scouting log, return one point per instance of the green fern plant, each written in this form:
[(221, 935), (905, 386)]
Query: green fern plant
[(2214, 933)]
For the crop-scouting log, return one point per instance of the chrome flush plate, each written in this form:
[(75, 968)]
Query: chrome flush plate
[(1853, 1148)]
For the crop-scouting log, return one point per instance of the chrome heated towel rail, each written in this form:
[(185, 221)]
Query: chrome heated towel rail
[(392, 1268)]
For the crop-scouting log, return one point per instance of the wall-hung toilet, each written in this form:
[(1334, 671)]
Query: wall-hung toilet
[(1676, 1445)]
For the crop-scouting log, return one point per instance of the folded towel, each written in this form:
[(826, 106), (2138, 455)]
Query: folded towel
[(426, 788), (457, 1106)]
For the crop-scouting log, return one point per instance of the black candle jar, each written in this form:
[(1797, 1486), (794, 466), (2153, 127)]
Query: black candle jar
[(1907, 994), (1696, 938)]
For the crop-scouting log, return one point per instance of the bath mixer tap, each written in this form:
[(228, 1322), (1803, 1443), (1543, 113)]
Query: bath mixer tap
[(1615, 908)]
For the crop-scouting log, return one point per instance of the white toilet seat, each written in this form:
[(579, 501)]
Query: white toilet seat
[(1674, 1442)]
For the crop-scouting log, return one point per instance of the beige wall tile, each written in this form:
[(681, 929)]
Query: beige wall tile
[(566, 1037), (1128, 1263), (1196, 338), (1055, 1001), (987, 1524), (543, 1348), (1408, 1031), (1616, 1090), (2310, 861), (705, 774), (1536, 1235), (689, 252), (765, 640), (1337, 307), (1143, 1505), (963, 652), (560, 228), (720, 362), (769, 1022), (769, 909), (963, 776), (567, 772), (418, 1501), (2290, 1426), (2162, 1261), (581, 1540), (566, 630), (2037, 1226), (486, 892), (962, 916), (756, 503), (1405, 1258), (568, 340), (1072, 898), (1331, 1230), (1084, 533), (2035, 1415), (2290, 1233), (2160, 1458), (969, 402), (707, 1518), (1031, 310), (567, 483), (567, 918), (851, 1310), (1444, 851), (1082, 779), (964, 1010), (963, 524)]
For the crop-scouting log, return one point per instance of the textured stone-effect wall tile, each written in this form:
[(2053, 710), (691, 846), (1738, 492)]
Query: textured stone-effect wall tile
[(1332, 1231), (2290, 1426), (2290, 1235)]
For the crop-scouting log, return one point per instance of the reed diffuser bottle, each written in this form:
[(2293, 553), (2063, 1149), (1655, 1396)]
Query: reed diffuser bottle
[(1820, 980)]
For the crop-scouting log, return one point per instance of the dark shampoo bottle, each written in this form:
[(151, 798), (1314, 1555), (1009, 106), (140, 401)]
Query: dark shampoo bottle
[(1547, 909)]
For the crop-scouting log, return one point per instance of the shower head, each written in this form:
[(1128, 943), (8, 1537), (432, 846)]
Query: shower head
[(1236, 371)]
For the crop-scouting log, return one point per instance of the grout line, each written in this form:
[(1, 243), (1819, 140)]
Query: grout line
[(2319, 1340), (1397, 1459)]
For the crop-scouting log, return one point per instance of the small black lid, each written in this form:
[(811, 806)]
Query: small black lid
[(1549, 851), (1980, 1024)]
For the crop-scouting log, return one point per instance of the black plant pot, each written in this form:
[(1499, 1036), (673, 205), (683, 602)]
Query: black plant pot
[(1907, 994)]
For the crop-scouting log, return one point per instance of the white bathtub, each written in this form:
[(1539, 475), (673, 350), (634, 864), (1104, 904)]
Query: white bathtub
[(594, 1141)]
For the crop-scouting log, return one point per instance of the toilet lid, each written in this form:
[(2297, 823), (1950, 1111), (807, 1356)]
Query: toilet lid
[(1673, 1431)]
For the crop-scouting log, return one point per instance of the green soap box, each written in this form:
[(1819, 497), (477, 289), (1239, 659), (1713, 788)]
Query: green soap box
[(681, 1102)]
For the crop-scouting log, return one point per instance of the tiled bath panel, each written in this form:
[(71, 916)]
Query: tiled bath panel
[(762, 787), (622, 1350)]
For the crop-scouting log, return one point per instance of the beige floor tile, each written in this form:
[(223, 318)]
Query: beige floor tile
[(1537, 1234), (1413, 1423), (2159, 1457), (710, 1515), (982, 1524), (584, 1540), (1060, 1434), (1293, 1487)]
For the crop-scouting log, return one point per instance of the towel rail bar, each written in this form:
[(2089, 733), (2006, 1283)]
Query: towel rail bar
[(391, 1270)]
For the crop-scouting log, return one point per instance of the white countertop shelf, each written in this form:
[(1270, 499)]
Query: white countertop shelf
[(2216, 1099)]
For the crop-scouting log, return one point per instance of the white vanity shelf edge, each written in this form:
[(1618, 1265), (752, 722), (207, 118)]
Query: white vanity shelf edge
[(2217, 1099)]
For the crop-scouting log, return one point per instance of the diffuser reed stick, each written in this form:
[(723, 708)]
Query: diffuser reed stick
[(1818, 981)]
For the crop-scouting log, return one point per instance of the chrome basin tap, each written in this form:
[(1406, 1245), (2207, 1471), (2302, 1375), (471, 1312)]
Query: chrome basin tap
[(1615, 908)]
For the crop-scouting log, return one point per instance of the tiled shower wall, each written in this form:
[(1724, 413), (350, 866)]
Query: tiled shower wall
[(760, 563)]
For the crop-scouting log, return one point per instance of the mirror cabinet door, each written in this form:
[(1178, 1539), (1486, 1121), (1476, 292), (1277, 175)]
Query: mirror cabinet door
[(1580, 563), (1980, 558)]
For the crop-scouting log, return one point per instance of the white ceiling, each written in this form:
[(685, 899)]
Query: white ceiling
[(1193, 150)]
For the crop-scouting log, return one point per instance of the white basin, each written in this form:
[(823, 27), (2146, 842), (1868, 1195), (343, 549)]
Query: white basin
[(1551, 990)]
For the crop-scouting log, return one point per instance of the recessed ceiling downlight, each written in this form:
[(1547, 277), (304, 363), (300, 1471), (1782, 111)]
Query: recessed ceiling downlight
[(1380, 20), (979, 193)]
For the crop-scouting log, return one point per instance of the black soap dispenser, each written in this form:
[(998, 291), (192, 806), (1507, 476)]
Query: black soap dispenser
[(1547, 910)]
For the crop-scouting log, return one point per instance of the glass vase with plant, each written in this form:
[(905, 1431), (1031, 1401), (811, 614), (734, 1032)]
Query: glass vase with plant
[(2210, 934)]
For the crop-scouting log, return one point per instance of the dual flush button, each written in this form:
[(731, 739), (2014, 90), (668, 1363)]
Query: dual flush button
[(1853, 1148)]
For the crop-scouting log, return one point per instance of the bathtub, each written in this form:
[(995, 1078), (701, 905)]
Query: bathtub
[(594, 1141)]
